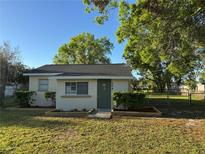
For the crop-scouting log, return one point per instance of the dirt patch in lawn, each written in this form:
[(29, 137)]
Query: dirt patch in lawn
[(193, 123), (65, 134), (196, 128)]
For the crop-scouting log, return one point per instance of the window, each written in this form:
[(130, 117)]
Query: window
[(76, 88), (70, 88), (82, 88), (43, 85)]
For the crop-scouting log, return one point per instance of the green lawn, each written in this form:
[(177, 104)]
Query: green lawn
[(175, 99), (10, 102), (32, 132)]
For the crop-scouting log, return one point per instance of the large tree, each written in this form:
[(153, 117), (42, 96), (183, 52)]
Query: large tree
[(11, 68), (84, 49), (165, 39), (15, 74)]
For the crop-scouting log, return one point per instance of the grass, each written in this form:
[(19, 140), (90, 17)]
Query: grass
[(175, 99), (178, 104), (32, 132), (10, 102)]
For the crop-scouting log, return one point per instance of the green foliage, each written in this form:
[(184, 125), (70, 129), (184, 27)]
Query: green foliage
[(203, 75), (130, 100), (10, 102), (201, 80), (24, 98), (160, 44), (190, 81), (102, 7), (8, 59), (15, 74), (11, 68), (84, 49), (50, 95), (163, 38), (140, 84)]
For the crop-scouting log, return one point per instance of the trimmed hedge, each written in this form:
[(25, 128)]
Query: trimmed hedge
[(129, 100), (24, 98), (50, 95)]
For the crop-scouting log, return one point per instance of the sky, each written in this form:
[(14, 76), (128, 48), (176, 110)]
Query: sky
[(40, 27)]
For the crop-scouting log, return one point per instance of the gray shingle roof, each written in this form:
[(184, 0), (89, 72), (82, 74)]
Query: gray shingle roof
[(85, 69)]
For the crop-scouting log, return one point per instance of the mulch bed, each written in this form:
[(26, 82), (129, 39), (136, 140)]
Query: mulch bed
[(144, 109), (142, 112)]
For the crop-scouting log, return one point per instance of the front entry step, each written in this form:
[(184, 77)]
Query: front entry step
[(101, 115)]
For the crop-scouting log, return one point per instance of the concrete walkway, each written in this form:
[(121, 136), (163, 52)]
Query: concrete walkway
[(100, 115)]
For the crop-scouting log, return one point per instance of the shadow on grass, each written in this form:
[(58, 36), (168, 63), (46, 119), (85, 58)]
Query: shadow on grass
[(37, 119), (10, 102), (178, 108), (32, 119)]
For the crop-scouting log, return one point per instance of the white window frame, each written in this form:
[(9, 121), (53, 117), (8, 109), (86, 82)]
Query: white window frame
[(71, 92), (39, 85), (76, 90)]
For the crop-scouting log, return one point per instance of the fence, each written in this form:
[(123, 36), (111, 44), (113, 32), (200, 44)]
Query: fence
[(9, 90), (169, 97)]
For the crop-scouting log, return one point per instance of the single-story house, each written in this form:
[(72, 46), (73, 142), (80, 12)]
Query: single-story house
[(200, 88), (79, 86)]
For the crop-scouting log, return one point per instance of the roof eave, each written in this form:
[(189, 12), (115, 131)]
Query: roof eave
[(40, 74), (91, 77)]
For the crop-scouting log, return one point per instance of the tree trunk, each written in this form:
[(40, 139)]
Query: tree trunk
[(160, 85), (3, 76), (1, 84)]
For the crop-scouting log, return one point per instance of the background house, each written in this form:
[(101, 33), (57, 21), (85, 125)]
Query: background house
[(200, 88)]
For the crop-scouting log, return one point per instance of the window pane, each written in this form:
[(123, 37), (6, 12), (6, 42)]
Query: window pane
[(72, 92), (70, 88), (73, 86), (67, 88), (43, 81), (43, 85), (82, 88)]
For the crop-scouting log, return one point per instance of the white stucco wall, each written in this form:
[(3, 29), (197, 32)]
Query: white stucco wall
[(120, 85), (39, 97), (66, 103)]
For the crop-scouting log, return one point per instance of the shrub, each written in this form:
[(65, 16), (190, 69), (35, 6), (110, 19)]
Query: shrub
[(129, 100), (74, 110), (51, 95), (24, 98), (84, 110)]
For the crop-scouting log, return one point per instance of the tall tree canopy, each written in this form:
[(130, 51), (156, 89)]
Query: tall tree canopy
[(84, 49), (165, 39), (11, 68)]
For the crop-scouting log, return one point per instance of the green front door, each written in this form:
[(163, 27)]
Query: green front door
[(104, 94)]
